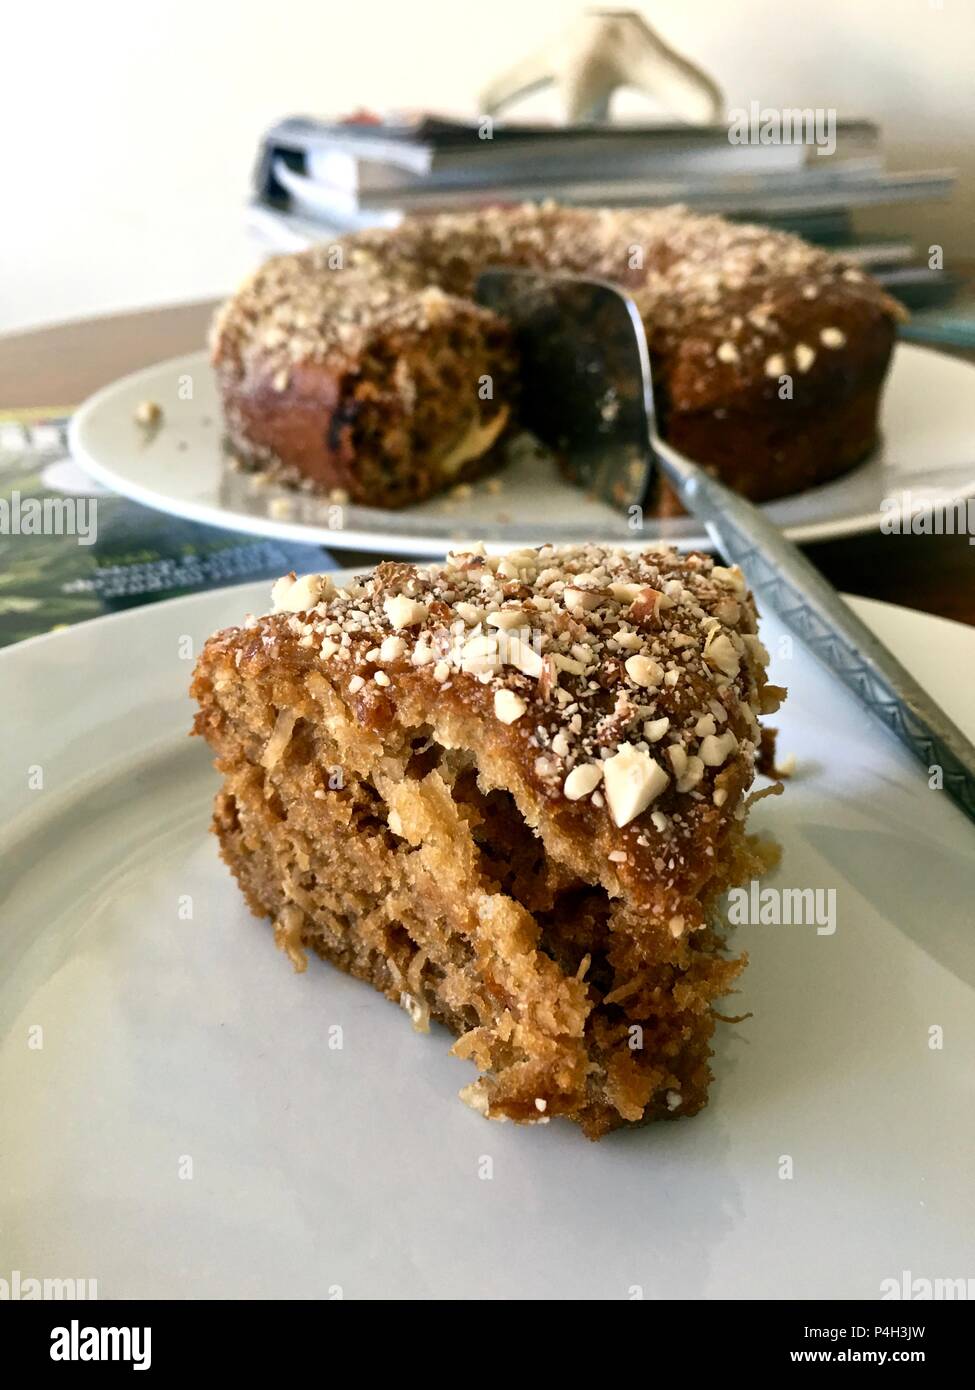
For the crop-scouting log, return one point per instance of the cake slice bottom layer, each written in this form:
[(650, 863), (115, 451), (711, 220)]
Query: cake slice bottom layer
[(407, 864)]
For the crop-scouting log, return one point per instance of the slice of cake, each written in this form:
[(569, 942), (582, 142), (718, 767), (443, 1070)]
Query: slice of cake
[(509, 793)]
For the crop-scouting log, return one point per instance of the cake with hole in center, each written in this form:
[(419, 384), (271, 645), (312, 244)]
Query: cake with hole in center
[(509, 794), (364, 368)]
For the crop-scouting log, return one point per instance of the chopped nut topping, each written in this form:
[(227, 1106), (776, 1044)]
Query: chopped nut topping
[(719, 652), (632, 780), (404, 612), (148, 413), (678, 758), (292, 595), (579, 601), (717, 748), (775, 365), (692, 774), (507, 618), (582, 780), (392, 648), (643, 670), (659, 653), (518, 654), (626, 593), (731, 577), (508, 706), (480, 654)]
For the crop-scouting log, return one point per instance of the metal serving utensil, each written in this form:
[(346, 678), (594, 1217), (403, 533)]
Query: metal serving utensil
[(588, 394)]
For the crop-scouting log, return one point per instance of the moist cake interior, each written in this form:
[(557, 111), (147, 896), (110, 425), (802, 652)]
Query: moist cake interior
[(379, 874)]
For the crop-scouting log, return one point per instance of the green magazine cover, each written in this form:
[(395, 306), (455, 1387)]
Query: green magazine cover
[(71, 550)]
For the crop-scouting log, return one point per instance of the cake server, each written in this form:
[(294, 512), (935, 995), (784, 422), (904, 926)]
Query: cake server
[(588, 393)]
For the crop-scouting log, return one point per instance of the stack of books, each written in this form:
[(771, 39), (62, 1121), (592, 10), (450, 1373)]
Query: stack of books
[(315, 178)]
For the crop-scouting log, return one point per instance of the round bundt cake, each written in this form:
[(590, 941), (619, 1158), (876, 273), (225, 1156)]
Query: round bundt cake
[(365, 366)]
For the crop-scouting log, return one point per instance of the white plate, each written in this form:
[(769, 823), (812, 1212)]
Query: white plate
[(928, 424), (167, 1039)]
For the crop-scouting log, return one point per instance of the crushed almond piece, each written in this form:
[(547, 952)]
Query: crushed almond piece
[(508, 706)]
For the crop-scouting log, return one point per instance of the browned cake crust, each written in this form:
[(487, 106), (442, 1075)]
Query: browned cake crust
[(507, 793), (342, 366)]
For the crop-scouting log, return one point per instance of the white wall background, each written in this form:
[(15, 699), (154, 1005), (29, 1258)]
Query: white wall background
[(128, 127)]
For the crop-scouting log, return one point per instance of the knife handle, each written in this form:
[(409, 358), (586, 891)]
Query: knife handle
[(788, 584)]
